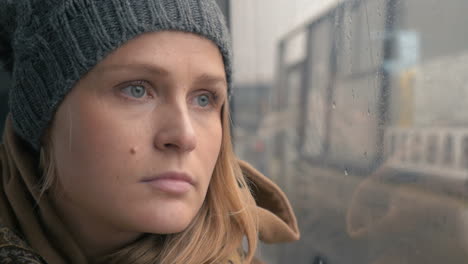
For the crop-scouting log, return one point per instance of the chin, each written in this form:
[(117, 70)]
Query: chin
[(173, 229), (168, 227), (166, 222)]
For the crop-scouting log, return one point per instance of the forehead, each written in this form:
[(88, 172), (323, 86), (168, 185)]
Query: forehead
[(166, 47)]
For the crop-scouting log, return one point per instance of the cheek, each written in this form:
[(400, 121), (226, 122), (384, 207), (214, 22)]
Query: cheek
[(91, 143), (209, 140)]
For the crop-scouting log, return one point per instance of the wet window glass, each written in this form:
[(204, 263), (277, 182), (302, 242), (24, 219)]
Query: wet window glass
[(361, 118), (448, 152)]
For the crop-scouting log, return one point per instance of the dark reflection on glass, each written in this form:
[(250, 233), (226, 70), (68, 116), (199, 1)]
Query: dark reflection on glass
[(416, 152), (403, 147), (431, 150), (464, 147), (448, 150), (392, 145)]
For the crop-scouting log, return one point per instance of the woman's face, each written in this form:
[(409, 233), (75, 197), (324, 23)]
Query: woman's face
[(137, 139)]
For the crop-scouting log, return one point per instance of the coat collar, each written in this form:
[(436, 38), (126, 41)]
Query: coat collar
[(277, 221)]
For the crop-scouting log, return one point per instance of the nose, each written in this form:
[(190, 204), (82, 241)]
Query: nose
[(176, 131)]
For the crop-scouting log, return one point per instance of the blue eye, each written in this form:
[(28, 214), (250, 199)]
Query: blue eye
[(203, 100), (136, 91)]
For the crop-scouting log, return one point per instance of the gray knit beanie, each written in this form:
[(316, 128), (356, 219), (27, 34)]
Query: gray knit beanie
[(48, 45)]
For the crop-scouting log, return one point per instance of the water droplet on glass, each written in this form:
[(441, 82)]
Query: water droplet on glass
[(346, 172), (368, 111), (334, 105)]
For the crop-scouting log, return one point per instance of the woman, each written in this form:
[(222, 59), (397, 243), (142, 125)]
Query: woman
[(117, 148)]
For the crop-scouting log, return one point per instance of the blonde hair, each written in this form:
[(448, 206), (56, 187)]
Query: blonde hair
[(217, 231)]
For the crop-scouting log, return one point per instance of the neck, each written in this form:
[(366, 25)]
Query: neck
[(93, 236)]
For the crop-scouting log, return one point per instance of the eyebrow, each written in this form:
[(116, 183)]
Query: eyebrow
[(207, 79), (153, 69), (203, 79)]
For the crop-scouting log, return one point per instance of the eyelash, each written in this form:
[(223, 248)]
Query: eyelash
[(141, 83), (213, 94), (214, 97)]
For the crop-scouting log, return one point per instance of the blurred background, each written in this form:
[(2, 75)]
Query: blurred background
[(358, 110)]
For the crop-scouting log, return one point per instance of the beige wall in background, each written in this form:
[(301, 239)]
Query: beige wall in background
[(257, 26)]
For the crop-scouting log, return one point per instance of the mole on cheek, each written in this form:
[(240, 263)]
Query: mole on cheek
[(133, 150)]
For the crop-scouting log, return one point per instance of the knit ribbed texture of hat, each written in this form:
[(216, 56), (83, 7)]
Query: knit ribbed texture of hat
[(50, 44)]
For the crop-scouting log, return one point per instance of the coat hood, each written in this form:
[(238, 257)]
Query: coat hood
[(277, 222)]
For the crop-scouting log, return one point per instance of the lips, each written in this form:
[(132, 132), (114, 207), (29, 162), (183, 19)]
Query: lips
[(171, 182)]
